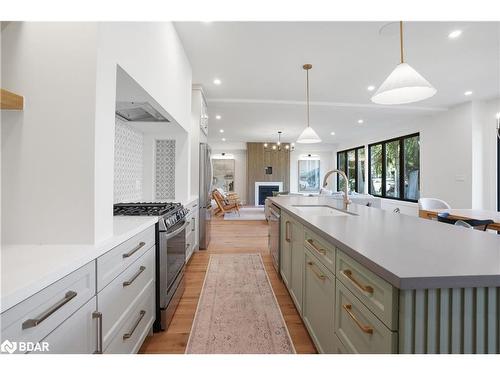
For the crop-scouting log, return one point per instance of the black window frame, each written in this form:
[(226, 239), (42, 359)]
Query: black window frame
[(356, 159), (401, 168)]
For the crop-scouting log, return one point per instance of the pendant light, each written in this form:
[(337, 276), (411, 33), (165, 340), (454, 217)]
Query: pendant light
[(404, 84), (308, 135)]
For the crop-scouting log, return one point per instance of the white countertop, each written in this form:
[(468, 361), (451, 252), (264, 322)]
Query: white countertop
[(27, 269), (408, 252)]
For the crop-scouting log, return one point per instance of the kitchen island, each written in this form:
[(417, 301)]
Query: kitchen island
[(367, 280)]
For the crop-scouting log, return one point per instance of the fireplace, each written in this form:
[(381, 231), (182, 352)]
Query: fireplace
[(264, 190)]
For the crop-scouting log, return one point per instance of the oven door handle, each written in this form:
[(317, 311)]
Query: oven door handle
[(177, 231)]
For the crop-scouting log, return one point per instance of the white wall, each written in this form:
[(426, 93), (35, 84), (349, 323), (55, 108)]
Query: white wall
[(326, 163), (240, 171), (57, 155), (48, 148), (152, 54), (457, 154)]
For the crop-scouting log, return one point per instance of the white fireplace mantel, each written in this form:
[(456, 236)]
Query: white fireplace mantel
[(267, 183)]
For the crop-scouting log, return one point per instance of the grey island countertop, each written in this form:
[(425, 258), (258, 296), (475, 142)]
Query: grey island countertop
[(409, 252)]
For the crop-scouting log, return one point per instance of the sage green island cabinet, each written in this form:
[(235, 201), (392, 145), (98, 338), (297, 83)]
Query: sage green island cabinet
[(292, 251), (353, 297)]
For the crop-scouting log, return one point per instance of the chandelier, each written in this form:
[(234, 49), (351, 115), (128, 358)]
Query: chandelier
[(278, 146)]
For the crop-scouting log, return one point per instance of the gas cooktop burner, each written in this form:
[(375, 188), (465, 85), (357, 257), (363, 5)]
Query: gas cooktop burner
[(145, 208)]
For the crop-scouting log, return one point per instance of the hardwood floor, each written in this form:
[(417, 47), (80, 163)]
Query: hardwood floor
[(227, 237)]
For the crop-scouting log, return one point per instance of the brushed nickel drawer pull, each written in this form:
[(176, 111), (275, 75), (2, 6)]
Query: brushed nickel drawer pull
[(36, 321), (129, 335), (318, 274), (287, 237), (98, 315), (318, 249), (131, 252), (129, 282), (366, 329), (364, 288)]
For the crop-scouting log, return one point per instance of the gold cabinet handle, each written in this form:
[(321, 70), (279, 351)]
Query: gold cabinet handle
[(366, 329), (318, 274), (364, 288), (318, 249), (287, 237)]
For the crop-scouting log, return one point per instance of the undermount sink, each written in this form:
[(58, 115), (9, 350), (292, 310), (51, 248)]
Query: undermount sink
[(321, 210)]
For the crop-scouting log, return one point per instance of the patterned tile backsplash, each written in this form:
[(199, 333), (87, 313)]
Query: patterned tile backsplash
[(128, 163), (165, 169)]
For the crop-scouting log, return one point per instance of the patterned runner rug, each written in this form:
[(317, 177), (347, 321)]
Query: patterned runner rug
[(238, 311)]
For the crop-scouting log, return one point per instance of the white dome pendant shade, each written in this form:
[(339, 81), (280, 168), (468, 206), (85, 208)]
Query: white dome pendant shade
[(404, 85), (308, 135)]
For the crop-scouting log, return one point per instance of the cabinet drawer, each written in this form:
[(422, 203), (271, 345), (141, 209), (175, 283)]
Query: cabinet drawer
[(136, 325), (377, 294), (34, 318), (340, 348), (358, 328), (77, 334), (116, 260), (117, 298), (318, 303), (320, 248)]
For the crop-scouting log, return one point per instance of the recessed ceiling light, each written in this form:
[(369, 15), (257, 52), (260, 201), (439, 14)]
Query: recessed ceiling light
[(360, 121), (468, 93), (217, 81), (332, 133), (223, 139), (221, 131), (455, 34), (218, 117), (370, 88)]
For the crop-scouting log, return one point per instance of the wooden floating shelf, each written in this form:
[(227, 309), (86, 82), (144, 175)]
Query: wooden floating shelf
[(9, 100)]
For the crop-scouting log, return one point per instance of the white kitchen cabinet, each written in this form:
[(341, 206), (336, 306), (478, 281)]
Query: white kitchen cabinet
[(192, 229), (77, 334), (37, 316)]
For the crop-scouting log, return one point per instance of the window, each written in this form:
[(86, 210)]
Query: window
[(352, 162), (394, 168), (308, 176)]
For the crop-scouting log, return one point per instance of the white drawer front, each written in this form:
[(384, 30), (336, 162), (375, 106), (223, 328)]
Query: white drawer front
[(37, 316), (76, 335), (116, 260), (138, 321), (117, 298)]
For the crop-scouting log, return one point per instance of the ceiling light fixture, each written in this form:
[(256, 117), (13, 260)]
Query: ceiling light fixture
[(455, 34), (223, 139), (221, 131), (308, 135), (277, 145), (404, 84), (217, 81), (332, 133), (218, 117), (370, 88), (360, 121), (468, 93)]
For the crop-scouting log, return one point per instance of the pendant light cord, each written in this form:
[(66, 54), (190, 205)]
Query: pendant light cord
[(307, 95), (401, 39)]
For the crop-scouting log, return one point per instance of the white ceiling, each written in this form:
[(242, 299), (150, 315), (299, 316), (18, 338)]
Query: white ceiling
[(263, 84)]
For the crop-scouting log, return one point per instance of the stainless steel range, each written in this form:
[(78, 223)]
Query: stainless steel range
[(170, 253)]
